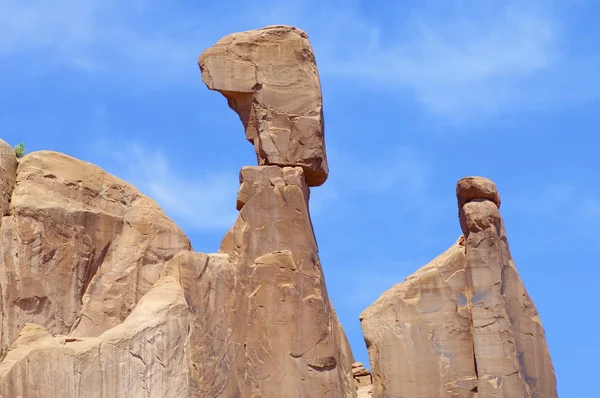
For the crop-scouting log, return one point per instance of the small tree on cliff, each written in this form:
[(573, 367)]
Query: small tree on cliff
[(20, 150)]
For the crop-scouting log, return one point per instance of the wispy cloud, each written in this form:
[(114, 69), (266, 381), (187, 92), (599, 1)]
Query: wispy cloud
[(124, 42), (461, 60), (202, 202)]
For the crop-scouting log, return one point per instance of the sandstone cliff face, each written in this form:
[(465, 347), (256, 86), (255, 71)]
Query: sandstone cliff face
[(102, 296), (145, 356), (252, 320), (79, 248), (463, 325)]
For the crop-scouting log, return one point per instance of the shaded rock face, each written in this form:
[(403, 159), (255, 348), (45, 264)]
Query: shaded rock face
[(270, 79), (463, 325)]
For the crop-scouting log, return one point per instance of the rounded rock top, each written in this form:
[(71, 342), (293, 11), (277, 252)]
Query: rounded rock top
[(472, 188)]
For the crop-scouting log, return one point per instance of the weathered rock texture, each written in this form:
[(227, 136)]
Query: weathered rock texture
[(102, 297), (463, 325), (263, 324), (145, 356), (269, 77), (294, 344), (78, 247), (362, 377)]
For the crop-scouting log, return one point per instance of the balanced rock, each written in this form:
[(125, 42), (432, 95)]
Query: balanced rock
[(508, 338), (463, 325), (269, 77), (362, 377), (101, 295)]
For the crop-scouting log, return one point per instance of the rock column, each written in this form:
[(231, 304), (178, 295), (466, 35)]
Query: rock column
[(511, 355), (288, 340)]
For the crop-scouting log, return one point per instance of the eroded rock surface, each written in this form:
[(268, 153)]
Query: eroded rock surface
[(269, 77), (509, 342), (145, 356), (251, 320), (293, 343), (78, 248), (463, 325)]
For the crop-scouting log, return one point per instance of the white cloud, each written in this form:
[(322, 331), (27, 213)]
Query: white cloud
[(203, 202)]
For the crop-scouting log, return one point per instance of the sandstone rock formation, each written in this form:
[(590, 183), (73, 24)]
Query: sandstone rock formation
[(269, 77), (78, 246), (102, 297), (264, 325), (8, 173), (251, 320), (463, 325), (362, 380), (145, 356)]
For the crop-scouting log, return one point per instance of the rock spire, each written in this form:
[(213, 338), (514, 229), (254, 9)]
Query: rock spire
[(463, 325)]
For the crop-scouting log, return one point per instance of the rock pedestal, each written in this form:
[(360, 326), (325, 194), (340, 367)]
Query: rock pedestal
[(272, 326), (362, 377)]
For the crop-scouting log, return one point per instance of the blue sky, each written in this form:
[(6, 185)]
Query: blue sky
[(417, 95)]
